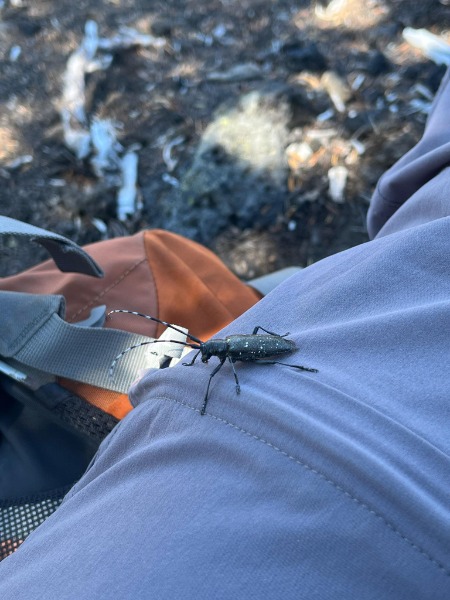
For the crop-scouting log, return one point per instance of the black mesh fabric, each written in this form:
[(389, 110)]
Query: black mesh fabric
[(19, 519), (58, 433), (85, 418)]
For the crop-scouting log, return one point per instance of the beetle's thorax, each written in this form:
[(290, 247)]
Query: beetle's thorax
[(217, 348)]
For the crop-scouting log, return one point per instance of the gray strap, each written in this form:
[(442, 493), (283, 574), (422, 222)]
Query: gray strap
[(36, 337), (68, 256)]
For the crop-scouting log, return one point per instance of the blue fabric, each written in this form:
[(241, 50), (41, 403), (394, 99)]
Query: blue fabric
[(305, 486)]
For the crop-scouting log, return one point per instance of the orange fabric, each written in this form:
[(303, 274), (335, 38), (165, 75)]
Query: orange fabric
[(155, 272), (193, 287), (124, 263), (116, 404)]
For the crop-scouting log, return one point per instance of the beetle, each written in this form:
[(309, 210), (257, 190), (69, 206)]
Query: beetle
[(255, 347)]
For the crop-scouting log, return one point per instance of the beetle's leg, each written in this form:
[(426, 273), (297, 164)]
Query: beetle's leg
[(189, 364), (277, 362), (238, 387), (255, 331), (205, 400)]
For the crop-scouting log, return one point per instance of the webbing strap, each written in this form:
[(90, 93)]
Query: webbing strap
[(68, 256), (35, 337)]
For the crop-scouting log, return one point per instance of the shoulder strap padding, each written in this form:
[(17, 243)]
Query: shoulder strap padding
[(35, 336)]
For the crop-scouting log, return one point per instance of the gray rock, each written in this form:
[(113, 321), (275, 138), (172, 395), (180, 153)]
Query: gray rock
[(240, 160), (238, 176)]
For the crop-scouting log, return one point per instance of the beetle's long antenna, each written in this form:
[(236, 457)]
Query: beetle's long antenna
[(119, 356), (138, 314)]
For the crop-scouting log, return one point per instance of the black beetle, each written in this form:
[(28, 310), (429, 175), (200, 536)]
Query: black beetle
[(243, 347)]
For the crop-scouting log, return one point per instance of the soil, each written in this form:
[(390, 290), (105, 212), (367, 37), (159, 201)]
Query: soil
[(167, 101)]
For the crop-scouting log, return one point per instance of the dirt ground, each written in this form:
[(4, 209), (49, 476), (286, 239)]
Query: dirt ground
[(165, 97)]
